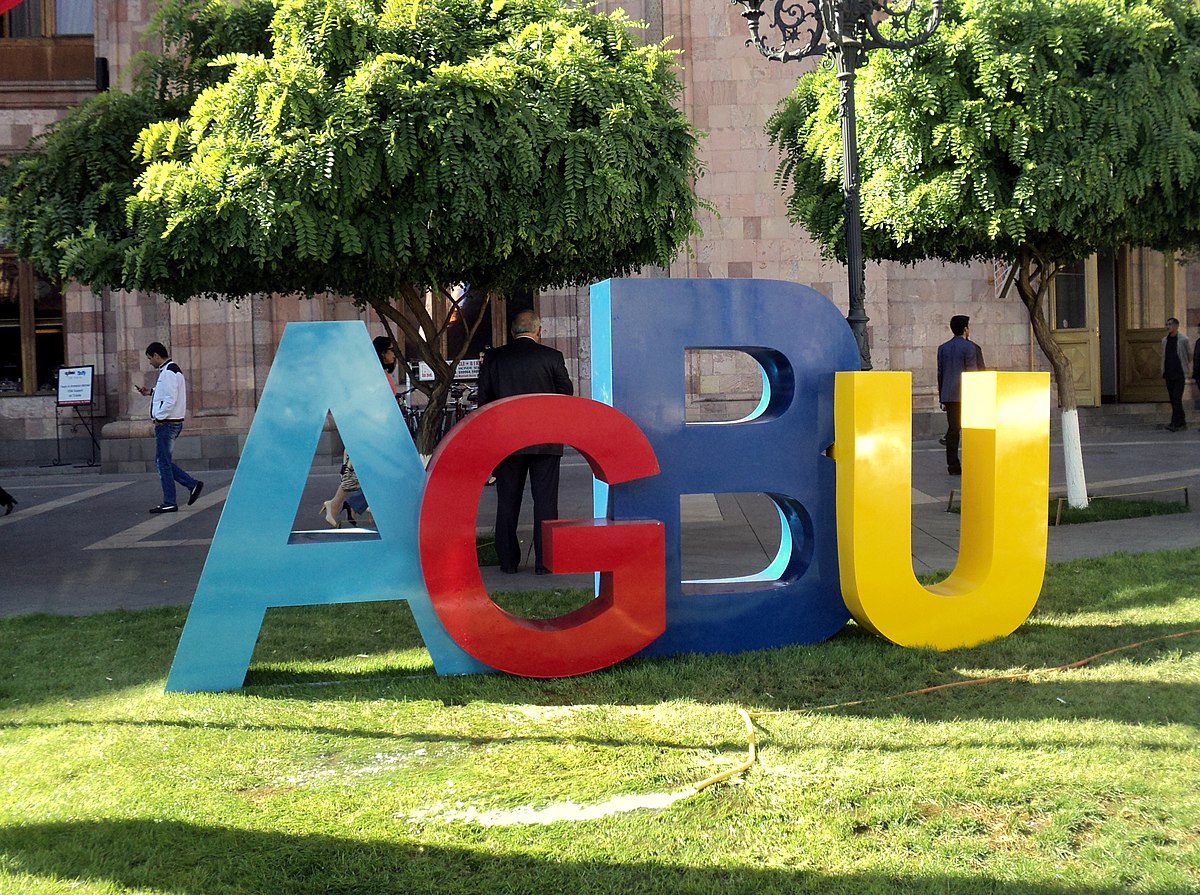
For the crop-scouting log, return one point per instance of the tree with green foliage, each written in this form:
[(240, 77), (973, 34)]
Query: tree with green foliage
[(63, 201), (387, 150), (390, 150), (1035, 131)]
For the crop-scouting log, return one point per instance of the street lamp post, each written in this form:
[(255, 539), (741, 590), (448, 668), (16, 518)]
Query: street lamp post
[(847, 29)]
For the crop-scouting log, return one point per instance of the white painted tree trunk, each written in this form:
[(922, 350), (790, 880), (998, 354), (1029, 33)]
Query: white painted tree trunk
[(1033, 276), (1073, 460)]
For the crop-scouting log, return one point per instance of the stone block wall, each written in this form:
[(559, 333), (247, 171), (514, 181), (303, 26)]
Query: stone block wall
[(729, 92)]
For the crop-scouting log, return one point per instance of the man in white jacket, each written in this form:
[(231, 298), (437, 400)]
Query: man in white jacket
[(168, 406)]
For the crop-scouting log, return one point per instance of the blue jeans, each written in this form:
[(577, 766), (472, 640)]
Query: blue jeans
[(164, 440)]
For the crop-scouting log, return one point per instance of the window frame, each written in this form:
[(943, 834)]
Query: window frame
[(49, 27), (27, 323)]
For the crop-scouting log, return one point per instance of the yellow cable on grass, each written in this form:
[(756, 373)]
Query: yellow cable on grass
[(751, 756)]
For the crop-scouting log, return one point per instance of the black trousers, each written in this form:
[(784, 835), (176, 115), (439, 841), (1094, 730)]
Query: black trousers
[(542, 471), (1175, 396), (953, 435)]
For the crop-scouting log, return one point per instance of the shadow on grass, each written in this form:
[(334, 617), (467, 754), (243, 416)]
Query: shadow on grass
[(390, 738), (852, 674), (302, 653), (851, 667), (1138, 704), (191, 859)]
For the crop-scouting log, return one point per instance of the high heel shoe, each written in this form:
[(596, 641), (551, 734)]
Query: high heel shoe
[(326, 510), (350, 520)]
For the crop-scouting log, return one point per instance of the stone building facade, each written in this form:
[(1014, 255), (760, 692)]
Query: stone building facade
[(1112, 313), (226, 348)]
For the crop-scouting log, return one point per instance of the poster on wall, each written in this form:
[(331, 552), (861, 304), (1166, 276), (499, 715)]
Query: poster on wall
[(74, 386)]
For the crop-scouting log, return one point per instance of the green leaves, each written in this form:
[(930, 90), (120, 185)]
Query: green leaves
[(63, 203), (380, 149), (501, 144), (1069, 125)]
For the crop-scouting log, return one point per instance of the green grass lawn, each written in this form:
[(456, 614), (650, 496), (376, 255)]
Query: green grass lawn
[(347, 766), (1107, 508), (1103, 508)]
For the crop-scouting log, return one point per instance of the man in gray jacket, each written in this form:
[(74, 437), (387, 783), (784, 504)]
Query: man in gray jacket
[(1176, 352), (955, 357)]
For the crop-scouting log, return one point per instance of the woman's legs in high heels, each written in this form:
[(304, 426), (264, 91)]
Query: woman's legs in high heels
[(331, 508)]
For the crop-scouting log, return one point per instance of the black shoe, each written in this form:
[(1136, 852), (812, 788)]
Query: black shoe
[(7, 501), (942, 440), (509, 570), (165, 508), (541, 570), (954, 471), (194, 495)]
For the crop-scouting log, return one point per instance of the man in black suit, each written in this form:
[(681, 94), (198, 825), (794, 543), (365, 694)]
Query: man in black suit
[(524, 367)]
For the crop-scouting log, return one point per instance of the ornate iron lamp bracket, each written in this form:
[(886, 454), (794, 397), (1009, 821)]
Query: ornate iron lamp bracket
[(846, 29), (814, 27)]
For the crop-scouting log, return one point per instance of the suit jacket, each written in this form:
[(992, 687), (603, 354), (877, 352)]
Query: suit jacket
[(953, 359), (524, 367), (1182, 348)]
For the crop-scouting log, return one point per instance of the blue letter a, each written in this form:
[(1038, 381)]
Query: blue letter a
[(319, 368)]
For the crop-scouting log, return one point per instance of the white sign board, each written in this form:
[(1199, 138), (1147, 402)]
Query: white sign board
[(468, 368), (74, 386)]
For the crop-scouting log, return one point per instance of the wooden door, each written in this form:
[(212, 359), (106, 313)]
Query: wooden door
[(1075, 323), (1146, 284)]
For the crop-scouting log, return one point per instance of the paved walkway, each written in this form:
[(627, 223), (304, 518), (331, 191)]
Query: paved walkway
[(82, 542)]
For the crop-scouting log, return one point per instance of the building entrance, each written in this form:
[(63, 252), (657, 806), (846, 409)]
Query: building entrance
[(1109, 315)]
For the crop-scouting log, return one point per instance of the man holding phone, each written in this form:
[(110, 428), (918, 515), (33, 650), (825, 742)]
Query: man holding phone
[(168, 405)]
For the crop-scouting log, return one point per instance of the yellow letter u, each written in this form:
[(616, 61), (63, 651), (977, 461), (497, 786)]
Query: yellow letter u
[(1002, 545)]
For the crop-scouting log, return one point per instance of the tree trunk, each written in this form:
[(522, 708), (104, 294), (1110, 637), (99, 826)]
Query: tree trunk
[(428, 337), (428, 432), (1034, 277)]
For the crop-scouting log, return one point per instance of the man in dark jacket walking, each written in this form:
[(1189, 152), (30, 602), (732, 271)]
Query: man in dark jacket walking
[(524, 367), (955, 357)]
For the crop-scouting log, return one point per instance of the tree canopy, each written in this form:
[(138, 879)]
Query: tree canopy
[(379, 149), (386, 145), (63, 201), (1034, 131), (1059, 127)]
